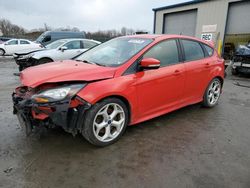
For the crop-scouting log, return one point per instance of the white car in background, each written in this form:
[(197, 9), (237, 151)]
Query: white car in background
[(15, 45), (63, 49)]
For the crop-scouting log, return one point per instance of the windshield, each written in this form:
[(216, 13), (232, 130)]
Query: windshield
[(55, 44), (40, 38), (114, 52)]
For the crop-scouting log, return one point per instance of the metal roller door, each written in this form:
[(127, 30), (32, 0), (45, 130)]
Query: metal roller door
[(238, 18), (180, 23)]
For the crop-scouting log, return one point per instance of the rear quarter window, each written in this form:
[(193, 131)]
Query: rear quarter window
[(209, 50), (192, 50)]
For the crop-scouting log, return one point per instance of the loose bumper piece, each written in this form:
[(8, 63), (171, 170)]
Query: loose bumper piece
[(67, 113)]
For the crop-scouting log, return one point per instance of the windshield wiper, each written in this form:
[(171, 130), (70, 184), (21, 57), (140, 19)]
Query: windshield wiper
[(99, 64), (84, 61), (93, 63)]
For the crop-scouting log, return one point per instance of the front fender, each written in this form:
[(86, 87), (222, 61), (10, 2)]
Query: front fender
[(123, 86), (43, 54)]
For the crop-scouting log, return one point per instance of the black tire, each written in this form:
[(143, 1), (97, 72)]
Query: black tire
[(206, 99), (234, 71), (91, 114), (2, 52), (44, 60)]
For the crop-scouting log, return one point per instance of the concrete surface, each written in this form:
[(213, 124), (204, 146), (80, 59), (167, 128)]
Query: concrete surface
[(191, 147)]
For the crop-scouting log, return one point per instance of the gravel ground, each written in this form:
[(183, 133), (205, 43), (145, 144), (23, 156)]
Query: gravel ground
[(191, 147)]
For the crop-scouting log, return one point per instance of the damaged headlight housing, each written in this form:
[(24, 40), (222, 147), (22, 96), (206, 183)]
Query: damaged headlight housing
[(57, 94), (26, 56)]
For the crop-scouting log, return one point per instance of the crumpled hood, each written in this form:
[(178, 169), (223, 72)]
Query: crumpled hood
[(43, 53), (63, 71), (28, 51)]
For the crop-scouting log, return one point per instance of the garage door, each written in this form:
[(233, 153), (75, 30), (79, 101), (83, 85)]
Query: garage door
[(180, 23), (238, 18)]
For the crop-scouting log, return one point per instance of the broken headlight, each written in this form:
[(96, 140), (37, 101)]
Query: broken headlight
[(26, 56), (57, 94)]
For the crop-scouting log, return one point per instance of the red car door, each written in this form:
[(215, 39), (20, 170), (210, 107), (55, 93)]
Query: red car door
[(197, 70), (160, 89)]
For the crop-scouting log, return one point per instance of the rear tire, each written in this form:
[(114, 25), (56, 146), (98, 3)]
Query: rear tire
[(212, 93), (44, 60), (2, 52), (105, 122)]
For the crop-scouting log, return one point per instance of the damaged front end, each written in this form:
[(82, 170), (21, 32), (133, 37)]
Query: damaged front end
[(49, 106), (24, 62)]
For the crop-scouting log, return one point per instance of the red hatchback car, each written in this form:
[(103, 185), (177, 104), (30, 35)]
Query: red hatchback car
[(121, 82)]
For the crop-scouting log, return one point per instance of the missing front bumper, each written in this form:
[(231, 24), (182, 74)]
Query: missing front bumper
[(31, 115), (24, 123), (24, 63)]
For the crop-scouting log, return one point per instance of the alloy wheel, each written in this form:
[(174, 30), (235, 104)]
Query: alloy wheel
[(214, 92), (109, 122)]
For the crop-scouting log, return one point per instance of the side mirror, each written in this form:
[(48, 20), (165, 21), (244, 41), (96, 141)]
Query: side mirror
[(150, 63), (63, 48)]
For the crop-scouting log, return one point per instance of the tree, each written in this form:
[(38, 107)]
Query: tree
[(123, 31), (9, 29)]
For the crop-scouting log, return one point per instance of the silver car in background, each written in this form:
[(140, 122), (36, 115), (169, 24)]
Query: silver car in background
[(63, 49)]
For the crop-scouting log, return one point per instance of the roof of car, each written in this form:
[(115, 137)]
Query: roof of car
[(24, 39), (18, 39), (72, 39), (74, 32), (167, 36), (159, 36), (146, 36)]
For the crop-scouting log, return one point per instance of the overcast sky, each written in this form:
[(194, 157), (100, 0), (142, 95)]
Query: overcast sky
[(87, 15)]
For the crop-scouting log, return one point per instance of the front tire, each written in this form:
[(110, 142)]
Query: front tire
[(2, 52), (212, 93), (43, 61), (105, 122)]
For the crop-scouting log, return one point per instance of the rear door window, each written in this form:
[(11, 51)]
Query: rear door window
[(166, 52), (24, 42), (192, 50)]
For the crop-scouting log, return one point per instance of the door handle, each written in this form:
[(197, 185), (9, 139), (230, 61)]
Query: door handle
[(207, 65), (177, 72)]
